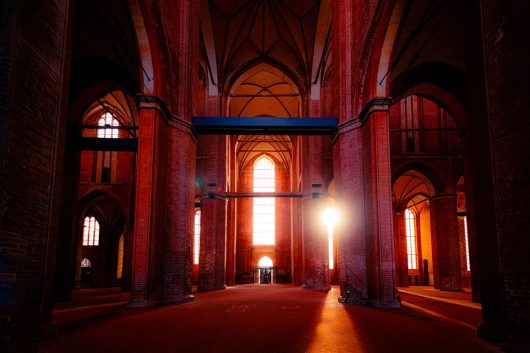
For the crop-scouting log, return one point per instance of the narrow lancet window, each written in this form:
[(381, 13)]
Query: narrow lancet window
[(412, 252), (196, 237)]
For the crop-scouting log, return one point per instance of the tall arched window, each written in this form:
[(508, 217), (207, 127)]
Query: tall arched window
[(196, 237), (264, 181), (90, 232), (412, 252), (108, 129), (110, 124)]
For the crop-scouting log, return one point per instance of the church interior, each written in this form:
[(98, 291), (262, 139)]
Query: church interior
[(264, 176)]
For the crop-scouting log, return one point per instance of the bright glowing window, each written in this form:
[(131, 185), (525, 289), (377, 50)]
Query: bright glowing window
[(264, 207), (196, 237), (85, 263), (330, 250), (265, 261), (110, 124), (90, 232), (412, 252), (119, 266), (468, 265)]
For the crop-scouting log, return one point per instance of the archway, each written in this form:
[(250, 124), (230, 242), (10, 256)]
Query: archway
[(263, 90), (103, 252), (412, 229)]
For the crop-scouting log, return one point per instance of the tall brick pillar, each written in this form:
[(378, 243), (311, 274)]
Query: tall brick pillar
[(444, 227), (231, 231), (148, 121), (164, 209), (211, 164), (212, 258), (478, 149), (347, 165), (505, 34), (315, 245), (471, 217), (378, 198), (314, 233), (401, 249), (351, 248), (34, 63)]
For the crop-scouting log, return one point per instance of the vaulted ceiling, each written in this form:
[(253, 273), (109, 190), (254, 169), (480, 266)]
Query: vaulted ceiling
[(240, 33), (411, 189)]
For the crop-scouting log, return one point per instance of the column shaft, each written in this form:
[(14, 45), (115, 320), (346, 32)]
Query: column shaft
[(444, 226), (212, 259)]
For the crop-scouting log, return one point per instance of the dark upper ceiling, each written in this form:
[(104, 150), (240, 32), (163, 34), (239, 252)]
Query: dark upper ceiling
[(280, 32)]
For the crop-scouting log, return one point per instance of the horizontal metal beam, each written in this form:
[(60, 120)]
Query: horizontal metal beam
[(285, 194), (264, 126), (225, 195), (108, 144)]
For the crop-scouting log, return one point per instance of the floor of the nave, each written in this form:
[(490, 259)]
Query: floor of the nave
[(268, 318)]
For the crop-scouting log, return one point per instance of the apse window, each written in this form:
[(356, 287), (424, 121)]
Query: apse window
[(108, 126), (196, 237), (85, 263), (412, 252), (265, 261), (264, 207), (90, 232)]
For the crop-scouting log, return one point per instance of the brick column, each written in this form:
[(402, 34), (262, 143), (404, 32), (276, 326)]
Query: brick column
[(173, 224), (505, 247), (231, 243), (163, 229), (212, 165), (350, 233), (212, 259), (444, 228), (469, 186), (315, 245), (401, 251), (34, 61), (148, 121), (347, 165), (378, 197), (232, 212)]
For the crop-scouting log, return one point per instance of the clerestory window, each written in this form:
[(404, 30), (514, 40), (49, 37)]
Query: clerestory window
[(108, 126)]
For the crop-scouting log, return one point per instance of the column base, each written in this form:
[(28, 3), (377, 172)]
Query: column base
[(48, 331), (390, 304), (210, 288), (493, 331), (451, 289), (352, 301), (317, 288), (143, 304)]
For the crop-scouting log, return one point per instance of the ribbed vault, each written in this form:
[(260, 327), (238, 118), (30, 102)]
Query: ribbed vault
[(264, 91), (410, 190), (278, 31)]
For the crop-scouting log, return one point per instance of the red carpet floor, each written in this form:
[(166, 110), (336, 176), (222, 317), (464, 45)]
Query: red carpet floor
[(254, 318)]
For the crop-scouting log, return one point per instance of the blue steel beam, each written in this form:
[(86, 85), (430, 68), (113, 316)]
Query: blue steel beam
[(264, 125)]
